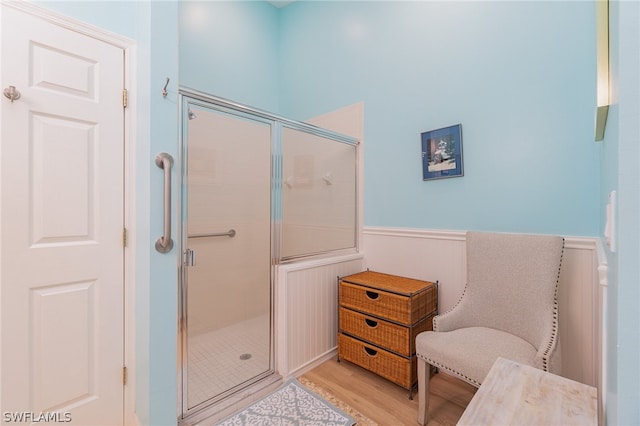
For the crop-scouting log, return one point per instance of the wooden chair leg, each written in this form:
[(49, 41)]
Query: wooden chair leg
[(424, 375)]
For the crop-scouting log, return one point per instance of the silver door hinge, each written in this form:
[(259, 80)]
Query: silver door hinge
[(124, 375), (124, 237), (125, 97), (189, 257)]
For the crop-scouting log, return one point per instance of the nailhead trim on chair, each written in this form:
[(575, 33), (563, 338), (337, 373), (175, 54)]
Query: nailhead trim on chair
[(435, 325), (554, 326), (454, 372), (437, 364)]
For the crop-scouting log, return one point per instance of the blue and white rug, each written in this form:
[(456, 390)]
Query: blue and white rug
[(291, 405)]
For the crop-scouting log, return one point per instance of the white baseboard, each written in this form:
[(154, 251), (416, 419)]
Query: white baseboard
[(333, 353)]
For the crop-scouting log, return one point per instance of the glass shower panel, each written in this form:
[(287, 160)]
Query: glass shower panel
[(318, 194), (228, 228)]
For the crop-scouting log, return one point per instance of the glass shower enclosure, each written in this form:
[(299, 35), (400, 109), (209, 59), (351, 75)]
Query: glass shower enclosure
[(227, 266), (247, 203)]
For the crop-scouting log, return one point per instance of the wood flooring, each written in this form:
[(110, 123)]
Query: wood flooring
[(386, 403)]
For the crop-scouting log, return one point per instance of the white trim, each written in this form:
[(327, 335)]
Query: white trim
[(602, 264), (416, 233), (64, 21), (603, 280), (314, 263), (130, 127), (130, 260), (310, 365), (580, 243)]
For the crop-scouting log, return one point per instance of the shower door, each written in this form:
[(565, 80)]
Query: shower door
[(226, 297)]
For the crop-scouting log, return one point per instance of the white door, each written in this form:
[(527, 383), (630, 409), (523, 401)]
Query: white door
[(61, 223)]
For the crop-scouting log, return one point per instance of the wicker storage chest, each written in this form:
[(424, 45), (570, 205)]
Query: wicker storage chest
[(380, 316)]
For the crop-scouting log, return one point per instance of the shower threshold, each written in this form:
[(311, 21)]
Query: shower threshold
[(211, 415)]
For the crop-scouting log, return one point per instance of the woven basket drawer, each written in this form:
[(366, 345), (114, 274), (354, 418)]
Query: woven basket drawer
[(395, 368), (394, 337), (392, 306)]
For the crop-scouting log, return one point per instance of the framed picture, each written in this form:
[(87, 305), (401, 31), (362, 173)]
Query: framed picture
[(442, 153)]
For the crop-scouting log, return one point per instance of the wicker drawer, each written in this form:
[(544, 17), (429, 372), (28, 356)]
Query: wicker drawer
[(397, 369), (394, 337), (396, 299), (380, 317)]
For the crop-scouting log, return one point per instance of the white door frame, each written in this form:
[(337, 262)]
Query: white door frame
[(128, 47)]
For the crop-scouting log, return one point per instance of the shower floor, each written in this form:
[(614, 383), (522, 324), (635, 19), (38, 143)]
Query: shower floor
[(223, 359)]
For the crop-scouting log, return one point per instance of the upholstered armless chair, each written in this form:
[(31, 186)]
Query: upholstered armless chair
[(508, 309)]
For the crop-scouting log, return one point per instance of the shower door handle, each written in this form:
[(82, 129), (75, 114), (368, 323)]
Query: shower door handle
[(164, 244), (230, 233)]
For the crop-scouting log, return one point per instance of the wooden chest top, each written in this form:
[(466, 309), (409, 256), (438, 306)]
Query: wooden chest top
[(387, 282)]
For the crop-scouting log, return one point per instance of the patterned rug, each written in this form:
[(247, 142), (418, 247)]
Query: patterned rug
[(361, 419), (292, 404)]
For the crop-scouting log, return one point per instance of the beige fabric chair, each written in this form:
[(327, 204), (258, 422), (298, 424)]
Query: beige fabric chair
[(509, 308)]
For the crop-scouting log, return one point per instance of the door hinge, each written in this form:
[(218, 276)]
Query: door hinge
[(124, 375), (189, 258), (124, 237), (125, 98)]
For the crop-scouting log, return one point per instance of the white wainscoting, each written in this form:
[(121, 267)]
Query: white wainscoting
[(306, 295), (307, 311), (441, 256)]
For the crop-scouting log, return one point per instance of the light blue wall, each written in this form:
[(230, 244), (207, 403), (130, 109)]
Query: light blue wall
[(230, 49), (621, 172), (163, 282), (519, 76), (120, 17)]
